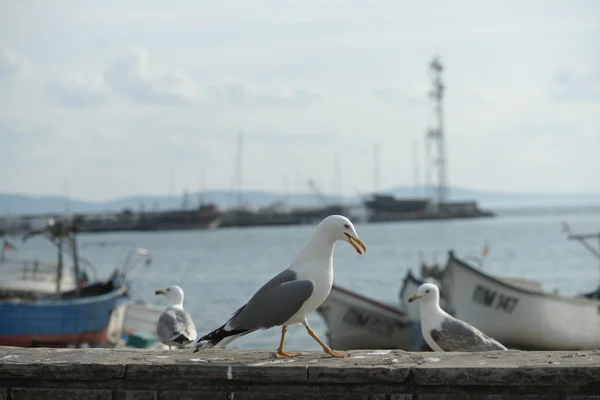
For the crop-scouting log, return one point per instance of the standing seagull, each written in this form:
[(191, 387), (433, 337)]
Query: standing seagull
[(443, 332), (175, 326), (297, 291)]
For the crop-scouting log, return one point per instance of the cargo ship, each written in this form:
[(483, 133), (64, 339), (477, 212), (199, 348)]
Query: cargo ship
[(387, 208), (205, 217)]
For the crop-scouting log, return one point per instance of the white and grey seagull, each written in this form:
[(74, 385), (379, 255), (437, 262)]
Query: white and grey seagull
[(443, 332), (175, 326), (294, 293)]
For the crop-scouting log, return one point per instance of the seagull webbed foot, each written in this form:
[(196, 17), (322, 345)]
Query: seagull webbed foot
[(334, 353), (284, 354)]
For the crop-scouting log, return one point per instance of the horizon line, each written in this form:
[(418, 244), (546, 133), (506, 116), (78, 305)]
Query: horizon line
[(386, 191)]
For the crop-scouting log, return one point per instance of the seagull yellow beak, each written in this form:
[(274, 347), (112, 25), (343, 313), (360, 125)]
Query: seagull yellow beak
[(413, 298), (356, 243), (159, 292)]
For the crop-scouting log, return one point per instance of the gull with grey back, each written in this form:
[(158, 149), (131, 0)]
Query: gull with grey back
[(443, 332), (175, 327), (291, 295)]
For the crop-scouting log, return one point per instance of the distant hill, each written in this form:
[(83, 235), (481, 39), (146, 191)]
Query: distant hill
[(15, 204)]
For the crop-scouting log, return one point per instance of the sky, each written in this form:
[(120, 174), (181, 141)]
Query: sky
[(109, 99)]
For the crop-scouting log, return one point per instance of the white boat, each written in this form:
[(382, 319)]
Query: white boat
[(134, 322), (357, 322), (518, 313)]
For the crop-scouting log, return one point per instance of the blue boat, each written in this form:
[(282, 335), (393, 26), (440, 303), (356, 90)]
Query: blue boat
[(72, 320), (68, 317)]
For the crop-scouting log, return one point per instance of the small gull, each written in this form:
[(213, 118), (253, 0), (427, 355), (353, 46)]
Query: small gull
[(175, 326), (294, 293), (443, 332)]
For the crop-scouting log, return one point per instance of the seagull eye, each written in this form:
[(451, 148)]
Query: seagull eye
[(346, 226), (427, 291), (168, 290)]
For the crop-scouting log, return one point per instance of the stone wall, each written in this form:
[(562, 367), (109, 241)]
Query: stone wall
[(103, 374)]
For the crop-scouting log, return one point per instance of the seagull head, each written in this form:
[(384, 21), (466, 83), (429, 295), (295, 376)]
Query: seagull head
[(427, 292), (174, 293), (339, 227)]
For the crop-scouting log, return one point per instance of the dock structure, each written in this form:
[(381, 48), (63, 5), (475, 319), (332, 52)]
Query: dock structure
[(128, 374)]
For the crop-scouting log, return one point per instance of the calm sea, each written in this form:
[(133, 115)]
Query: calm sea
[(220, 270)]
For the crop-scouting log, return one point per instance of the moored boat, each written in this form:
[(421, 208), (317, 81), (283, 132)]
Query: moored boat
[(133, 324), (518, 313), (357, 322), (77, 317), (72, 320)]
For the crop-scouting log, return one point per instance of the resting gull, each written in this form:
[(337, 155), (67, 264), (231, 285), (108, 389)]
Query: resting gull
[(175, 326), (443, 332), (294, 293)]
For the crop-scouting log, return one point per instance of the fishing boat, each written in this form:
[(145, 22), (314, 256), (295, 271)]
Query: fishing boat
[(518, 312), (65, 318), (357, 322), (74, 319)]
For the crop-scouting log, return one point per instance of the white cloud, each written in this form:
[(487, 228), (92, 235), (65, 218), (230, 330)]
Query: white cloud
[(10, 64), (397, 92), (249, 93), (143, 83), (76, 92), (576, 87)]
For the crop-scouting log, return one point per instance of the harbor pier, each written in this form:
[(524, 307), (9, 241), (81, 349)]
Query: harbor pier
[(140, 374)]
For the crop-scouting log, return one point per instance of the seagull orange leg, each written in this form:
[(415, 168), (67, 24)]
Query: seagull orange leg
[(326, 348), (280, 353)]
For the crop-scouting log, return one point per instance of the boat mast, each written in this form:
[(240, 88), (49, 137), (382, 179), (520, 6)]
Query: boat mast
[(71, 233), (337, 178), (236, 184), (286, 189), (65, 229), (59, 267), (202, 187), (437, 133), (376, 166), (67, 201), (415, 151), (171, 185)]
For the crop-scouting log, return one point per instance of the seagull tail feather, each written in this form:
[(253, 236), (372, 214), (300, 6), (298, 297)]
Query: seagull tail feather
[(215, 337), (180, 338)]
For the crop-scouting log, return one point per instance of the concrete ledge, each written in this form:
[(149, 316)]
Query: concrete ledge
[(377, 374)]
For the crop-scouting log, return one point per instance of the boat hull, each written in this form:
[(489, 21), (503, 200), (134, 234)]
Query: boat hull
[(519, 315), (58, 323), (357, 322), (58, 340)]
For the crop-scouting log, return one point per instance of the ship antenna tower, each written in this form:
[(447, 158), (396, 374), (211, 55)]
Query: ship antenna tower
[(437, 134)]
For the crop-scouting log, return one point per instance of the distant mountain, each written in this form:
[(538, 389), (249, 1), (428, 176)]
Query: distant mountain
[(16, 204)]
